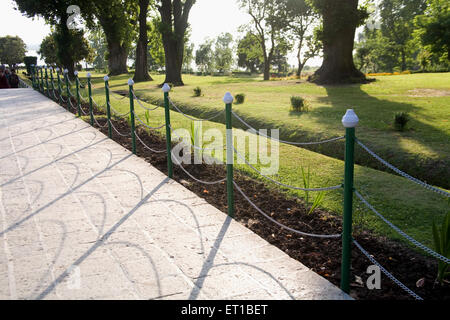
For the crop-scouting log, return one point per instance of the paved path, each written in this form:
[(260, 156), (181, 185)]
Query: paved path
[(82, 218)]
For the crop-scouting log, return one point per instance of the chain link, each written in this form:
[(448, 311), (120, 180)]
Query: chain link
[(280, 224), (282, 184), (389, 275), (151, 128), (403, 174), (193, 119), (142, 106), (403, 234), (147, 147), (283, 141), (117, 131), (198, 180)]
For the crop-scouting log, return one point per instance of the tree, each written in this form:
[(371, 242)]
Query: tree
[(79, 48), (269, 21), (118, 21), (302, 20), (97, 42), (141, 69), (54, 12), (156, 57), (223, 54), (188, 57), (397, 25), (29, 60), (12, 50), (280, 56), (340, 18), (250, 55), (174, 24), (204, 57), (433, 31)]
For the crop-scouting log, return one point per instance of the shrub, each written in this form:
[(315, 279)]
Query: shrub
[(401, 120), (197, 92), (240, 98), (299, 104)]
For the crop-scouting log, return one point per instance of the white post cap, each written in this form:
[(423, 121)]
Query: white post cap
[(88, 75), (50, 68), (66, 71), (105, 78), (76, 73), (350, 119), (165, 88), (57, 69), (228, 98), (32, 65), (130, 82)]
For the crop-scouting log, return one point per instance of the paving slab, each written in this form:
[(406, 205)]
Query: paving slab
[(83, 218)]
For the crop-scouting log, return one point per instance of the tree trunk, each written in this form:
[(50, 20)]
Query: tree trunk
[(117, 61), (64, 53), (266, 69), (339, 35), (141, 72), (174, 18)]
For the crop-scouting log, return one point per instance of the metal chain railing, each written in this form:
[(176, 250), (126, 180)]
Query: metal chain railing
[(142, 106), (403, 234), (198, 180), (116, 95), (282, 184), (280, 224), (146, 146), (117, 131), (389, 275), (194, 119), (117, 113), (284, 141), (146, 125), (190, 145), (403, 174)]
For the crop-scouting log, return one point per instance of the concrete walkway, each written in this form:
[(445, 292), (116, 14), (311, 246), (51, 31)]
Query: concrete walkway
[(82, 218)]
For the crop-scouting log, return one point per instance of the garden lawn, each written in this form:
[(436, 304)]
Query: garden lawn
[(406, 204)]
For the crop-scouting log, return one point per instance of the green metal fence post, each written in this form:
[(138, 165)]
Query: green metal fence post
[(69, 102), (52, 83), (59, 86), (133, 125), (91, 110), (228, 99), (108, 107), (77, 83), (350, 121), (41, 86), (46, 82), (166, 89), (33, 78)]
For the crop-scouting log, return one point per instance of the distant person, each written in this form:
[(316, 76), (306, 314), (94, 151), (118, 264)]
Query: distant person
[(7, 74), (4, 84), (14, 79)]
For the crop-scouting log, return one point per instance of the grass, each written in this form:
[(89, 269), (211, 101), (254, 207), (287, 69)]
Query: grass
[(407, 205)]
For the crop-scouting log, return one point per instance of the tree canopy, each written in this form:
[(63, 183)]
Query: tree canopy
[(12, 50)]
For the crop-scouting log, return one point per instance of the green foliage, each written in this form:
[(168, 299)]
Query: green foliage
[(433, 32), (401, 120), (97, 42), (317, 201), (299, 104), (156, 58), (441, 239), (240, 98), (197, 92), (204, 57), (223, 54), (250, 54), (12, 50)]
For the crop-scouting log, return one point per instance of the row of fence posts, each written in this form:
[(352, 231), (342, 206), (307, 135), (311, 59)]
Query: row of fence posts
[(350, 121)]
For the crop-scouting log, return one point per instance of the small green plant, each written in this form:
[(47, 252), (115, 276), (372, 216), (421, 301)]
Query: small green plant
[(197, 92), (299, 104), (401, 120), (306, 177), (129, 120), (441, 239), (240, 98), (147, 118), (195, 137)]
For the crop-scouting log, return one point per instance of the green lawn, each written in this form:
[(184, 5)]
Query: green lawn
[(423, 150), (409, 206)]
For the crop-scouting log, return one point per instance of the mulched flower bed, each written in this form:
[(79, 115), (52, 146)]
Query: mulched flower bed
[(321, 255)]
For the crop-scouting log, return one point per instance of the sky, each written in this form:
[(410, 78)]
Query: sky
[(208, 19)]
